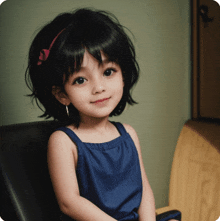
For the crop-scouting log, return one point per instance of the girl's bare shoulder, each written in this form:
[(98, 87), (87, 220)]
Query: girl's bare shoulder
[(60, 139), (133, 135), (130, 130)]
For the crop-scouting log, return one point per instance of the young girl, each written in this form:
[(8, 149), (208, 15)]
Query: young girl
[(82, 67)]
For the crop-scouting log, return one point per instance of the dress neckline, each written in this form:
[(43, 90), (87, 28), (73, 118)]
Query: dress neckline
[(118, 126)]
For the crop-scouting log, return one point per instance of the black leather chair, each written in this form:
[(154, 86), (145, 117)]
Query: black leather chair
[(26, 192)]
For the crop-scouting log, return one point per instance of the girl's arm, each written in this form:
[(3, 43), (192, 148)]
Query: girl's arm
[(62, 160), (146, 210)]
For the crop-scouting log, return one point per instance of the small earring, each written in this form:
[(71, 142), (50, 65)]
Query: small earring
[(67, 110)]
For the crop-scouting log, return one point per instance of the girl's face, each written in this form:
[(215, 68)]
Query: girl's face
[(96, 89)]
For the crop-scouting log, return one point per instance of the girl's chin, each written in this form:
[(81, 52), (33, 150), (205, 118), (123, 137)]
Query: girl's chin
[(96, 115)]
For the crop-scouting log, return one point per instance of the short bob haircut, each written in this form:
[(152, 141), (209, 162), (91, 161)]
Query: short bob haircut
[(84, 29)]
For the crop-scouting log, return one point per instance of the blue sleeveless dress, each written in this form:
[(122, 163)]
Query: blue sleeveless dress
[(109, 174)]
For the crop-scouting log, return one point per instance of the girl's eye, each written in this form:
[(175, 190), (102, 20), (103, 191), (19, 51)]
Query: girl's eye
[(79, 80), (109, 72)]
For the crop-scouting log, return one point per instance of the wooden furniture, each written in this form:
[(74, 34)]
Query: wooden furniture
[(195, 177), (205, 59)]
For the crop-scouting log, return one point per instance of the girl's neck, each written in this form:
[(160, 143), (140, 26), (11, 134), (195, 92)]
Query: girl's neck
[(88, 123), (97, 130)]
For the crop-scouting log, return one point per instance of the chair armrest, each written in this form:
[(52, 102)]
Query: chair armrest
[(164, 209), (168, 213)]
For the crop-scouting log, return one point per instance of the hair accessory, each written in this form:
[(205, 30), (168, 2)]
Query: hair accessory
[(44, 53), (67, 111)]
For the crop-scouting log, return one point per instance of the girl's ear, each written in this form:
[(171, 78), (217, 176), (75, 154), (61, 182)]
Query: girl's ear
[(60, 95)]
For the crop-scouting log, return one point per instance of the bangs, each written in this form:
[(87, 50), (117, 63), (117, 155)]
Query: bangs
[(92, 35)]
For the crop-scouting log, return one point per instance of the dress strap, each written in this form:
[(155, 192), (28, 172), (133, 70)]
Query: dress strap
[(120, 128), (71, 134)]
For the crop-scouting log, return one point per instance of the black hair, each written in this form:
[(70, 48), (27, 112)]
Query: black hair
[(84, 29)]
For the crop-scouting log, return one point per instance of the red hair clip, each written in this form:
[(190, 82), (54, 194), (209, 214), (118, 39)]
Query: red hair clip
[(44, 53)]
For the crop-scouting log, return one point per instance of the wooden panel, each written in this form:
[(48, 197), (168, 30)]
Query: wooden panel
[(209, 35), (195, 60), (206, 59), (195, 177)]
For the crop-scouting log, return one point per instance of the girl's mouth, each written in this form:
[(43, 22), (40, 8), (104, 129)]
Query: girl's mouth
[(101, 100)]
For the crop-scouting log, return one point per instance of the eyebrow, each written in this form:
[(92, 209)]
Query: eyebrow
[(107, 61)]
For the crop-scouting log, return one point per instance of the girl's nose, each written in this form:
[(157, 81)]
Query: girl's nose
[(98, 86)]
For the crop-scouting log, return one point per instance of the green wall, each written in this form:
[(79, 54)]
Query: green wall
[(162, 40)]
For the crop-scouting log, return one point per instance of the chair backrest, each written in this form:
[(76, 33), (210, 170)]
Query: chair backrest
[(195, 176), (26, 190)]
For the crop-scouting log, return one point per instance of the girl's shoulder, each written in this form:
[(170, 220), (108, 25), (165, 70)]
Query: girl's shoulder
[(61, 146), (61, 135), (58, 135), (60, 139), (131, 131)]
